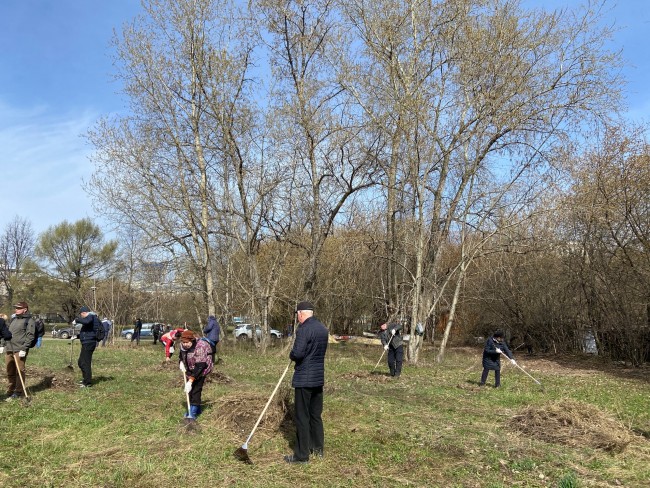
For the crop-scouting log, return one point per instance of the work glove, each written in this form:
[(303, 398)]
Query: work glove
[(181, 366), (2, 349), (392, 332), (22, 354), (498, 350), (188, 387), (39, 341), (513, 362), (386, 347), (171, 349)]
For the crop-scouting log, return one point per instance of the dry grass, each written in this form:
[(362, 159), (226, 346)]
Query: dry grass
[(574, 424)]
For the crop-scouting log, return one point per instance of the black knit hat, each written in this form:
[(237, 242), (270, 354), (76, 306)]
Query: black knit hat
[(304, 306)]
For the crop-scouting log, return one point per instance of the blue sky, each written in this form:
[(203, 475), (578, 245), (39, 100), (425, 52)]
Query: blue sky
[(56, 81)]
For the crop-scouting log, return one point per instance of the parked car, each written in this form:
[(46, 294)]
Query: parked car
[(144, 332), (66, 331), (244, 332)]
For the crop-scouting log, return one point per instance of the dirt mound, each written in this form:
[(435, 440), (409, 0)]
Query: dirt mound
[(238, 413), (39, 379), (573, 424)]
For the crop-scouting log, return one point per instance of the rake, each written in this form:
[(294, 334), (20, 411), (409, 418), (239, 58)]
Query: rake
[(524, 371), (242, 453), (20, 375), (382, 353)]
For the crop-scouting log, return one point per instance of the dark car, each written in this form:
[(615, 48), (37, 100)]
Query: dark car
[(144, 332), (66, 332)]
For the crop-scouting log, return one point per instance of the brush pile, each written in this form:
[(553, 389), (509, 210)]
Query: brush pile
[(574, 424), (239, 412)]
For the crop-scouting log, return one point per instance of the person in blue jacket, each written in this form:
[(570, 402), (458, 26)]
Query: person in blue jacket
[(308, 353), (494, 347), (211, 334)]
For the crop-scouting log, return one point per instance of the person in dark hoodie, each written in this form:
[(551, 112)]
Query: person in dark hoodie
[(88, 339), (308, 353), (22, 328), (195, 360), (494, 346), (211, 334)]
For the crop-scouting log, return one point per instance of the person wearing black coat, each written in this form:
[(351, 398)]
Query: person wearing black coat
[(308, 353), (5, 333), (494, 347), (392, 341), (89, 323)]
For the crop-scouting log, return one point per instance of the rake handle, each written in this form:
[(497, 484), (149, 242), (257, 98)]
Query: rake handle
[(524, 371), (382, 352), (266, 406), (20, 375)]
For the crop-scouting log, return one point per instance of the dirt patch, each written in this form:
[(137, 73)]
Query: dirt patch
[(219, 377), (377, 377), (39, 379), (238, 413), (573, 424)]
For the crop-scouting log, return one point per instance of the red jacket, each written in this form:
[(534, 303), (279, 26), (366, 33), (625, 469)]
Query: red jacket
[(168, 339)]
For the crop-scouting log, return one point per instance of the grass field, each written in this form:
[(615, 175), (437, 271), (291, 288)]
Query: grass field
[(434, 427)]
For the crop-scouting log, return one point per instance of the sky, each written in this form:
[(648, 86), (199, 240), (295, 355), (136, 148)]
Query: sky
[(57, 80)]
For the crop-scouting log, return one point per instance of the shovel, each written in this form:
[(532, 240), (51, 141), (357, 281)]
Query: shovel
[(242, 453), (188, 420), (70, 363)]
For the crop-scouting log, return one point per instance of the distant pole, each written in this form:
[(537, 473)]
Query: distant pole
[(94, 289)]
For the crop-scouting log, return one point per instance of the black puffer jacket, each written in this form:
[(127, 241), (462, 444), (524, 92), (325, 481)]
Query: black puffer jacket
[(491, 358), (309, 354), (5, 333), (88, 324)]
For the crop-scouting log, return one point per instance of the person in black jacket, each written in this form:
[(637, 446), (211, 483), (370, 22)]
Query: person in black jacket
[(5, 333), (494, 346), (393, 343), (137, 329), (308, 352), (89, 322)]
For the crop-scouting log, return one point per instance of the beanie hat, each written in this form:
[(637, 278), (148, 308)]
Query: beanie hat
[(84, 309)]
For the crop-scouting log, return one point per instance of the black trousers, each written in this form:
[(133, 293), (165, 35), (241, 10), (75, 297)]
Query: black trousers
[(197, 389), (395, 359), (497, 376), (309, 424), (85, 361)]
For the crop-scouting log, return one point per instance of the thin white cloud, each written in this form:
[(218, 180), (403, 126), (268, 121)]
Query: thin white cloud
[(43, 161)]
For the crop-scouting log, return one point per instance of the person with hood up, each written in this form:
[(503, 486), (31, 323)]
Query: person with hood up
[(494, 346), (211, 334), (195, 360), (22, 329)]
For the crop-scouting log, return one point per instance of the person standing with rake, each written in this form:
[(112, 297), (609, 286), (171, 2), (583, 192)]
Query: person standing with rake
[(494, 346), (195, 361), (393, 343), (308, 353)]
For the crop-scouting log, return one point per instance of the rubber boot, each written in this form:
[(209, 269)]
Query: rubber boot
[(195, 411)]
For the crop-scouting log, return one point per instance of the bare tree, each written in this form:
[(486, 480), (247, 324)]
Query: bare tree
[(16, 246)]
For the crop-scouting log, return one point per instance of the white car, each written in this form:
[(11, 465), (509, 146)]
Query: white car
[(244, 332)]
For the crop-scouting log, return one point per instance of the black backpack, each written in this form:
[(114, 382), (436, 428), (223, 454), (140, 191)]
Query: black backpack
[(39, 331), (100, 333)]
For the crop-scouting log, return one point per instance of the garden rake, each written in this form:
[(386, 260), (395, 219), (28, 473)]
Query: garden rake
[(242, 453), (524, 371), (382, 353), (22, 381)]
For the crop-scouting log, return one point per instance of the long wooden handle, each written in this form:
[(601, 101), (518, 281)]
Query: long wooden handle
[(267, 405), (187, 395), (382, 353), (22, 382)]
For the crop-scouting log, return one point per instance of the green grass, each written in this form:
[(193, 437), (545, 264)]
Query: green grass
[(433, 427)]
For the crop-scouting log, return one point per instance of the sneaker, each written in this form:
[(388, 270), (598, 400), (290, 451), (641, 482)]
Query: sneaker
[(293, 459), (84, 385)]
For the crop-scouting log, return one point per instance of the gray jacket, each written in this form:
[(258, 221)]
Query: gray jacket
[(22, 330), (385, 336)]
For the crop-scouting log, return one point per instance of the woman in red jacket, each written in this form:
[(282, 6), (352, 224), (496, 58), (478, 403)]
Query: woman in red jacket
[(168, 340)]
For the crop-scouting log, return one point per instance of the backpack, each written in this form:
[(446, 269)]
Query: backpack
[(39, 331), (100, 333)]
